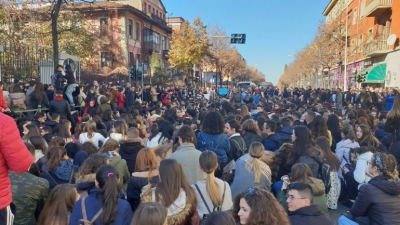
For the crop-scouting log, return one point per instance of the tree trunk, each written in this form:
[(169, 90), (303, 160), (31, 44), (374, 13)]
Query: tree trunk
[(54, 33)]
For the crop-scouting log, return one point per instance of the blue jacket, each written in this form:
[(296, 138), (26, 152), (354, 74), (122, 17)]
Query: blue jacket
[(270, 144), (286, 132), (210, 142), (93, 203), (389, 102)]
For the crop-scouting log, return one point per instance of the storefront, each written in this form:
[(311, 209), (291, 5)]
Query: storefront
[(392, 78)]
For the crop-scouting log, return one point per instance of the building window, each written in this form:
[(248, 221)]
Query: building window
[(103, 26), (138, 57), (153, 10), (352, 47), (137, 31), (130, 28), (355, 16), (131, 59), (360, 43), (163, 43), (148, 35), (144, 7), (156, 38), (105, 59), (149, 7)]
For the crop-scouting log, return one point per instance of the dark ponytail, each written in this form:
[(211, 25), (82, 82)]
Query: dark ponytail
[(107, 177)]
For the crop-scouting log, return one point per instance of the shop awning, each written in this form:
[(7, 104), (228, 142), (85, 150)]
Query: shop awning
[(375, 74)]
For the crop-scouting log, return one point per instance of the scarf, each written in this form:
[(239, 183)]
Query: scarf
[(265, 170), (64, 171)]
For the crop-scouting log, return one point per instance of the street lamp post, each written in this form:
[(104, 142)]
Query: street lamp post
[(345, 51)]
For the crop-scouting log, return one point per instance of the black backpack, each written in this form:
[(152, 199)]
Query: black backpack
[(324, 173)]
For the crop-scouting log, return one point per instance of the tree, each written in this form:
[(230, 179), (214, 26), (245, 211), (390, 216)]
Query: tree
[(188, 45)]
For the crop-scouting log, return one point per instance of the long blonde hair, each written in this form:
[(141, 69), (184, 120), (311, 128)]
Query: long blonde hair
[(395, 111), (208, 162), (254, 163)]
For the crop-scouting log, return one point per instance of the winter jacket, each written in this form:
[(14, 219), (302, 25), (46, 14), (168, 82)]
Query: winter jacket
[(121, 100), (244, 178), (250, 137), (17, 96), (128, 150), (93, 203), (343, 150), (95, 139), (238, 146), (313, 159), (362, 168), (155, 141), (114, 136), (379, 200), (3, 103), (130, 98), (392, 125), (34, 102), (188, 156), (154, 94), (120, 165), (179, 213), (389, 102), (101, 108), (218, 143), (281, 157), (310, 215), (270, 143), (13, 156), (60, 106), (136, 183)]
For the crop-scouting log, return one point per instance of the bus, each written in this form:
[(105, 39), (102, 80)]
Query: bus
[(266, 85), (245, 84)]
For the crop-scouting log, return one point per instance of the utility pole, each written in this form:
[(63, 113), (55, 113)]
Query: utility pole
[(345, 50)]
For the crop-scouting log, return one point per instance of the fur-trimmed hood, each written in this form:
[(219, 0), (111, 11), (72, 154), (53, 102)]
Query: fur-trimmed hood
[(86, 178), (178, 212)]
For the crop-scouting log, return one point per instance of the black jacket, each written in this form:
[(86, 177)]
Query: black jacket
[(128, 151), (238, 147), (130, 98), (379, 200), (250, 137), (392, 125), (310, 215), (135, 185), (60, 107), (34, 102)]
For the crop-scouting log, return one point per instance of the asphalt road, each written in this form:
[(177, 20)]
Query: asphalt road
[(335, 214)]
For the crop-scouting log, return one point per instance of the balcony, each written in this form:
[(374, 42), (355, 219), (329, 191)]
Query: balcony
[(377, 7), (151, 47), (375, 47)]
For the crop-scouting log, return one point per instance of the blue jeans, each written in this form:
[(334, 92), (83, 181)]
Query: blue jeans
[(346, 221), (69, 91)]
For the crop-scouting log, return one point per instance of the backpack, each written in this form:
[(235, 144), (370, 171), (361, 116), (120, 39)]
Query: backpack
[(324, 173), (247, 97), (85, 220), (237, 97), (216, 208)]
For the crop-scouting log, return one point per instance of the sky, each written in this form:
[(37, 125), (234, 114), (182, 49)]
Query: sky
[(275, 29)]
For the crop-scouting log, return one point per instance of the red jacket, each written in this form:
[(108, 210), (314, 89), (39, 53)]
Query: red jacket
[(3, 103), (13, 156), (121, 100)]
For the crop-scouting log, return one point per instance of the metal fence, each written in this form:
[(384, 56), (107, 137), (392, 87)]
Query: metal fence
[(22, 62)]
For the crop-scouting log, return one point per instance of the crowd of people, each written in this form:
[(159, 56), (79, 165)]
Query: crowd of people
[(116, 154)]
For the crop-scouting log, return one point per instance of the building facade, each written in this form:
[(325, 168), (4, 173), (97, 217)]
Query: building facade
[(372, 28), (127, 32)]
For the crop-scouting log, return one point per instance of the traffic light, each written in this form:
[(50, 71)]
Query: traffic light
[(361, 78), (132, 72)]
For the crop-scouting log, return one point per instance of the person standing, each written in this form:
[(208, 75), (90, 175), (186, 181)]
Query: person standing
[(14, 156), (69, 76), (3, 104)]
